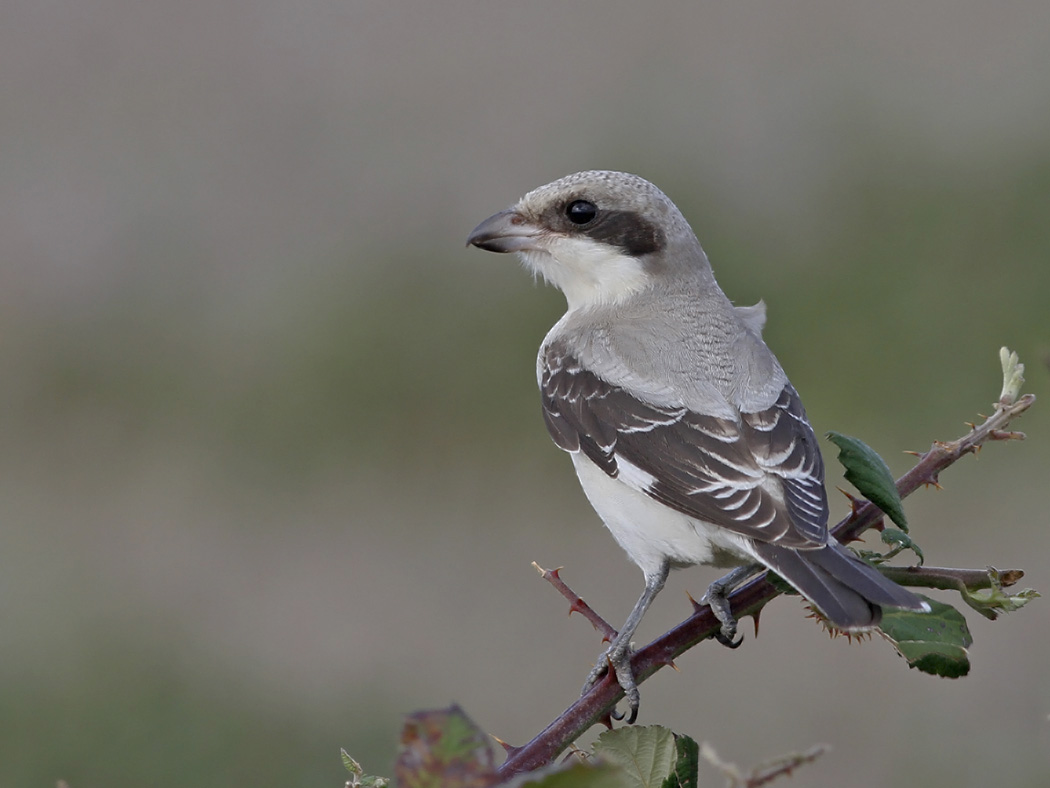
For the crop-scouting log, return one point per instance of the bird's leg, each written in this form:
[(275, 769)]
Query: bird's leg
[(618, 655), (718, 598)]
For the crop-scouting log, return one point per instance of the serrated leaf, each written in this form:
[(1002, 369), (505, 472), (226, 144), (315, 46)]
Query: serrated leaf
[(444, 748), (868, 472), (646, 753), (934, 642), (351, 765)]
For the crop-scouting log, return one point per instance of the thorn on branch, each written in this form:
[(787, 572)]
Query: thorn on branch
[(574, 752), (576, 602), (696, 605), (854, 502), (509, 748)]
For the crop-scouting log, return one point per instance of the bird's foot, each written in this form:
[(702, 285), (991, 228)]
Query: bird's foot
[(718, 598), (618, 658)]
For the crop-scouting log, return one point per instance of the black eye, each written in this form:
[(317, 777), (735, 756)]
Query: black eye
[(581, 211)]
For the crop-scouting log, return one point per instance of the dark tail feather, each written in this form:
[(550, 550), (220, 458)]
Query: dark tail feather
[(848, 591)]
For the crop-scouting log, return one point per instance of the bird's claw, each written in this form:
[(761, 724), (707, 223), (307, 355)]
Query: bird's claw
[(727, 635), (718, 599), (625, 677), (617, 660), (619, 715)]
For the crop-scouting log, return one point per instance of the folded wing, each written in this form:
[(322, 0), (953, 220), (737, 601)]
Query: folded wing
[(760, 476)]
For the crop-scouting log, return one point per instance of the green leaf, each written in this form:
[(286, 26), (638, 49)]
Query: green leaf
[(444, 748), (687, 763), (867, 471), (937, 659), (934, 642), (993, 601), (358, 776), (1013, 376), (899, 541), (647, 754), (351, 765)]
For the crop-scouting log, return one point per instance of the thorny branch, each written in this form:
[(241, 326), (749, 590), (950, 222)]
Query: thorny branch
[(576, 603), (749, 599), (764, 773)]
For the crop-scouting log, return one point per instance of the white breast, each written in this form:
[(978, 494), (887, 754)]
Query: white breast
[(651, 532)]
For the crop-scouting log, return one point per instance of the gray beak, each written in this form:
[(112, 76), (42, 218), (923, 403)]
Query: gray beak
[(506, 231)]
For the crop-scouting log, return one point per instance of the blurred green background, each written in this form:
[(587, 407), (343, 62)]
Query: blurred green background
[(272, 468)]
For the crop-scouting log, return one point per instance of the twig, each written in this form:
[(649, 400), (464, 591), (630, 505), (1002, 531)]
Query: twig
[(602, 698), (765, 773), (949, 579), (576, 603), (940, 456)]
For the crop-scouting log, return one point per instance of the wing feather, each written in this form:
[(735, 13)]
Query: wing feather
[(760, 476)]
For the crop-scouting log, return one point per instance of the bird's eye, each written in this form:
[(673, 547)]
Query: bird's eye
[(581, 211)]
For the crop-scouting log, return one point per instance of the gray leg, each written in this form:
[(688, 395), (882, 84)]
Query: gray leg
[(718, 598), (618, 655)]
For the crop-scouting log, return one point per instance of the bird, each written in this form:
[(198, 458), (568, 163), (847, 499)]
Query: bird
[(686, 435)]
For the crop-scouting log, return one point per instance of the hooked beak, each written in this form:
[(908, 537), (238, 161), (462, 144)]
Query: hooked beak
[(506, 231)]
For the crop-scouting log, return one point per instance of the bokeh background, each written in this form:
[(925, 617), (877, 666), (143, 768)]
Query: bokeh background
[(272, 469)]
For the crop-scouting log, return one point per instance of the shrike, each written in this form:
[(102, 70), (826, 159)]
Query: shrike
[(687, 437)]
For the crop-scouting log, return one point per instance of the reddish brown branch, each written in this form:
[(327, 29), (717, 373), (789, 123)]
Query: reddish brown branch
[(576, 603), (747, 600)]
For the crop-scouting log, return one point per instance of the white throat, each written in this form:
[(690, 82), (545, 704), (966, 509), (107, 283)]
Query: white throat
[(588, 272)]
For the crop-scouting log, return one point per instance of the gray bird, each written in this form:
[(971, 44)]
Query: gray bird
[(687, 437)]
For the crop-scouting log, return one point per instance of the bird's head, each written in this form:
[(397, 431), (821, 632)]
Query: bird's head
[(599, 236)]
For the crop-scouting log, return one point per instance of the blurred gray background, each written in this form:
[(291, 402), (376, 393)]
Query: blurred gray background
[(272, 469)]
